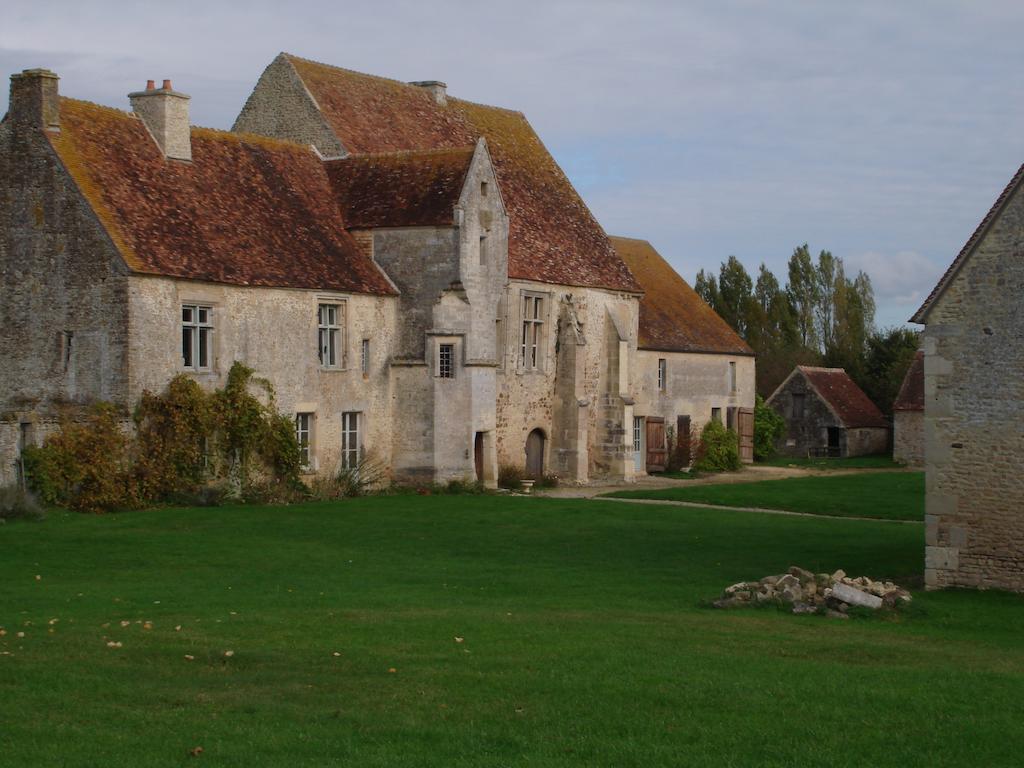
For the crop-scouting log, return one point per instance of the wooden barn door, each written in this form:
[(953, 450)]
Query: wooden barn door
[(656, 451), (746, 433)]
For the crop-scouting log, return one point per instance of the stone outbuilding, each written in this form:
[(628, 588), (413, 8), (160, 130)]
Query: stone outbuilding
[(413, 273), (908, 416), (974, 406), (827, 414)]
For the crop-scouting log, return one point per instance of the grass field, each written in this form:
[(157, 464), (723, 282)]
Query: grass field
[(584, 641), (856, 462), (882, 495)]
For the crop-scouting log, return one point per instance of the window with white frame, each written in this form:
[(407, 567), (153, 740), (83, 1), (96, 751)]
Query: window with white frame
[(330, 321), (196, 337), (364, 361), (304, 437), (638, 433), (446, 361), (533, 326), (662, 374), (350, 439)]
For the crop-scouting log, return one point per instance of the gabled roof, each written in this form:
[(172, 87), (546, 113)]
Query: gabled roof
[(921, 316), (846, 400), (400, 189), (246, 211), (553, 237), (911, 395), (673, 318)]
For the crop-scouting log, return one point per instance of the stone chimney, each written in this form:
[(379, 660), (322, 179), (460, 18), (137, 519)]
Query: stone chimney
[(165, 113), (34, 99), (437, 89)]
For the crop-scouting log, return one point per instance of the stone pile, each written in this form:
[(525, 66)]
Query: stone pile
[(807, 592)]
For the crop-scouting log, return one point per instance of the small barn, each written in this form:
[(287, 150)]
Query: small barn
[(827, 414), (908, 416)]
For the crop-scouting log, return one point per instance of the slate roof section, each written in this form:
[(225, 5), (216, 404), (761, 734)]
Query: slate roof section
[(911, 395), (849, 403), (400, 189), (553, 237), (673, 318), (246, 211), (921, 316)]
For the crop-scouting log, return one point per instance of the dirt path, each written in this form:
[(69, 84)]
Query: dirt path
[(749, 474)]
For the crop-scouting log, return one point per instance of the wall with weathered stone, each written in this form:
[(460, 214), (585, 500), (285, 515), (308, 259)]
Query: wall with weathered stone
[(908, 437), (865, 441), (280, 106), (63, 308), (809, 432), (974, 409), (274, 332), (695, 383)]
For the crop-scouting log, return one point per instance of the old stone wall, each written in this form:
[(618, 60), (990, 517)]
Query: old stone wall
[(63, 288), (695, 383), (865, 441), (281, 107), (274, 332), (809, 431), (908, 437), (974, 409)]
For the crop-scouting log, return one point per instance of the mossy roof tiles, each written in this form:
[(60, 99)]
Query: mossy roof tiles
[(400, 189), (246, 211), (848, 401), (673, 318), (553, 237)]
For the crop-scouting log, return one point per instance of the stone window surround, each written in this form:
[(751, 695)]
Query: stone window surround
[(540, 323), (662, 374), (341, 324), (351, 439), (441, 339), (198, 329)]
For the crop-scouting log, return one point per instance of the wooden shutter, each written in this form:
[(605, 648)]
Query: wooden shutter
[(746, 434)]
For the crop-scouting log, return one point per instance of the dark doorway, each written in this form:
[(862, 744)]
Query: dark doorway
[(478, 456), (535, 454), (833, 441)]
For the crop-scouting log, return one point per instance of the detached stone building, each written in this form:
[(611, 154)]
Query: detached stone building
[(412, 272), (908, 416), (974, 406), (827, 414)]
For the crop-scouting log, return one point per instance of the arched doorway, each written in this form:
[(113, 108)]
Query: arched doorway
[(535, 454)]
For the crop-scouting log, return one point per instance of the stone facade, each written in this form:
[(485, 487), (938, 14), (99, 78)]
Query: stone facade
[(908, 438), (451, 369), (974, 408)]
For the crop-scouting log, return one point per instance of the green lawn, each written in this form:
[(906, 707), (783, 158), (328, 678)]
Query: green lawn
[(882, 495), (585, 641), (857, 462)]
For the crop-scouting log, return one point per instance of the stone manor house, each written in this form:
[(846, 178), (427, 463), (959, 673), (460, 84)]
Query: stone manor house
[(413, 273)]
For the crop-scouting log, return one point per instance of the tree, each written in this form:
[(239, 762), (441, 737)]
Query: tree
[(769, 427), (889, 354), (827, 275), (707, 288), (802, 290), (735, 295)]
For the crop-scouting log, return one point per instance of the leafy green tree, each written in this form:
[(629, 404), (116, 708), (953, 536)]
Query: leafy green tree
[(889, 354), (769, 427), (706, 287), (735, 295), (802, 290)]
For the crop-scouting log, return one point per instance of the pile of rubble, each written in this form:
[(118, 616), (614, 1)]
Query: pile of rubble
[(808, 592)]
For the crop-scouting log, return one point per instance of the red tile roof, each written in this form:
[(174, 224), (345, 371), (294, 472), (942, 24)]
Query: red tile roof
[(400, 189), (921, 316), (246, 211), (911, 396), (848, 401), (673, 318), (553, 237)]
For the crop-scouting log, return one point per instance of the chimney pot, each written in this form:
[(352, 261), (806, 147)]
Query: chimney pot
[(165, 113), (150, 85)]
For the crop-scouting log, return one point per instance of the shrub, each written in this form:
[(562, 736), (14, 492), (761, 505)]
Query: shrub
[(719, 449), (769, 427), (678, 450), (510, 477), (17, 503), (370, 473), (547, 480)]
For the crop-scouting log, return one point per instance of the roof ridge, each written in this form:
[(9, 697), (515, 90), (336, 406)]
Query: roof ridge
[(469, 149)]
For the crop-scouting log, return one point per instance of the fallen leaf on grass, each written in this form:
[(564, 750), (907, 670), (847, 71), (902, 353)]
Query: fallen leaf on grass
[(228, 654), (460, 639), (189, 657), (113, 644), (21, 634), (178, 628), (195, 751), (337, 654), (38, 577), (392, 669)]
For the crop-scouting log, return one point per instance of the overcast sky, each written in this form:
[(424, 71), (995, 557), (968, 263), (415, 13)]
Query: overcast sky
[(881, 131)]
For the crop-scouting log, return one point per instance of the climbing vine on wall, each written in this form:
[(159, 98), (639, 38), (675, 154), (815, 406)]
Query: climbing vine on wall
[(184, 440)]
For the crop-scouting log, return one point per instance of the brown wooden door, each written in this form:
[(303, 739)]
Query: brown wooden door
[(656, 451), (535, 455), (746, 434)]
